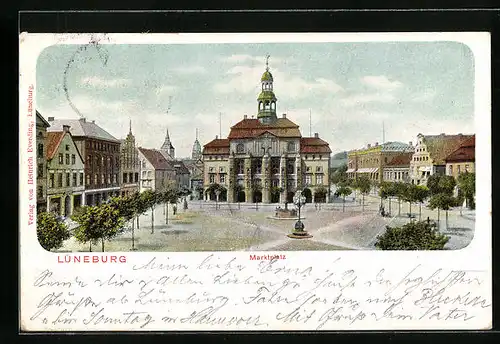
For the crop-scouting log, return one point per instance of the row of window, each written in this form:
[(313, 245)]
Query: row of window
[(63, 161), (258, 169), (101, 179), (450, 169), (274, 182), (396, 175), (106, 147), (102, 161), (421, 158), (130, 177), (69, 179)]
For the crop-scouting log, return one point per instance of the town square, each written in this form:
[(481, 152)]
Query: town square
[(272, 157)]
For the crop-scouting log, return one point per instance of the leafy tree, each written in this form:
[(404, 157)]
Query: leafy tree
[(433, 184), (320, 192), (386, 191), (467, 185), (414, 235), (51, 231), (98, 222), (150, 200), (399, 190), (421, 193), (363, 184), (339, 176), (344, 190), (166, 197), (444, 202), (410, 194), (447, 184), (126, 206)]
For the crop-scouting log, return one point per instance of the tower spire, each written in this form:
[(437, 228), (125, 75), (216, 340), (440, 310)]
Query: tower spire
[(130, 126), (383, 132), (267, 61), (196, 134)]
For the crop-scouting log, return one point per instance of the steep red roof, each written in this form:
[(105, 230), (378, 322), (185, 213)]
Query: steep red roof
[(466, 151), (54, 139), (250, 128), (217, 146), (400, 160), (314, 145), (156, 159), (440, 146)]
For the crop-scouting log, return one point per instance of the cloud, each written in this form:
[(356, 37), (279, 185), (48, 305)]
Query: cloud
[(363, 98), (381, 82), (190, 70), (100, 82), (424, 96), (246, 79)]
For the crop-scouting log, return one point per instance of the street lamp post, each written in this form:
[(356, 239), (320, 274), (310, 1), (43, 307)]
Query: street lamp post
[(299, 232)]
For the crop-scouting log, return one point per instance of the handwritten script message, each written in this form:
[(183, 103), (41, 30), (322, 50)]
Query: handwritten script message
[(225, 293)]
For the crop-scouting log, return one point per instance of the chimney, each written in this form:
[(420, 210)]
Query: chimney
[(284, 115), (410, 143), (316, 135), (443, 134), (93, 121), (245, 116), (66, 128), (83, 119), (368, 146), (216, 137), (376, 144), (460, 134), (50, 119)]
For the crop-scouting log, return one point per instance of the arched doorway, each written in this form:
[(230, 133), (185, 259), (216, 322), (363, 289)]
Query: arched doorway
[(210, 195), (307, 194), (241, 197), (223, 196), (67, 206), (289, 196), (320, 197), (257, 197), (275, 197)]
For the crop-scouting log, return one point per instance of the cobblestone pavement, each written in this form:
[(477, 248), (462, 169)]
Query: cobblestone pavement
[(207, 226)]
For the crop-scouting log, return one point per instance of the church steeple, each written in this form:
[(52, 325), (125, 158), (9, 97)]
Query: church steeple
[(267, 100), (168, 147), (196, 153)]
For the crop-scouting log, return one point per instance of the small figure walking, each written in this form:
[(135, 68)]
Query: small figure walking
[(175, 209), (428, 220)]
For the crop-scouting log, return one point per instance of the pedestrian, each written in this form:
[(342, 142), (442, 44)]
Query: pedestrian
[(428, 220), (175, 209)]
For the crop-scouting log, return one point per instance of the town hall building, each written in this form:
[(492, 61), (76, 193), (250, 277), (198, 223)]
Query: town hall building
[(266, 159)]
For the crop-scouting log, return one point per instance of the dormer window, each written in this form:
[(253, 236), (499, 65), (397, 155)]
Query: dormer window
[(291, 146), (240, 148)]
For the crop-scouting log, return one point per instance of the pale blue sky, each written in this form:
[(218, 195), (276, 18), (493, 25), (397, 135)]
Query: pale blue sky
[(350, 88)]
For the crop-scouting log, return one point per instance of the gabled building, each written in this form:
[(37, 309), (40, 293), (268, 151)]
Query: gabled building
[(65, 173), (372, 160), (130, 168), (167, 148), (101, 153), (430, 154), (266, 159), (41, 162), (156, 172), (398, 169), (462, 159)]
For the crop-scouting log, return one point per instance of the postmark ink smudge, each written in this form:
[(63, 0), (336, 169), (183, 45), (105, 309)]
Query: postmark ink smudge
[(101, 52)]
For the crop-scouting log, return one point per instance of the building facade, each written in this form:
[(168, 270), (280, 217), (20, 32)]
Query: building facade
[(372, 161), (430, 154), (398, 169), (266, 159), (101, 153), (130, 168), (65, 173), (156, 173), (41, 162), (463, 159)]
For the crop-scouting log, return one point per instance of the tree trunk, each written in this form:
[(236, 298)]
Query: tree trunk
[(410, 209), (363, 203), (133, 238), (343, 204), (102, 243), (390, 205), (438, 218), (90, 248), (152, 220), (166, 214), (420, 212), (446, 222), (399, 207), (138, 221)]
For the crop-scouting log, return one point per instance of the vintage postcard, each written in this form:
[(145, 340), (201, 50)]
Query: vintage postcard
[(255, 182)]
